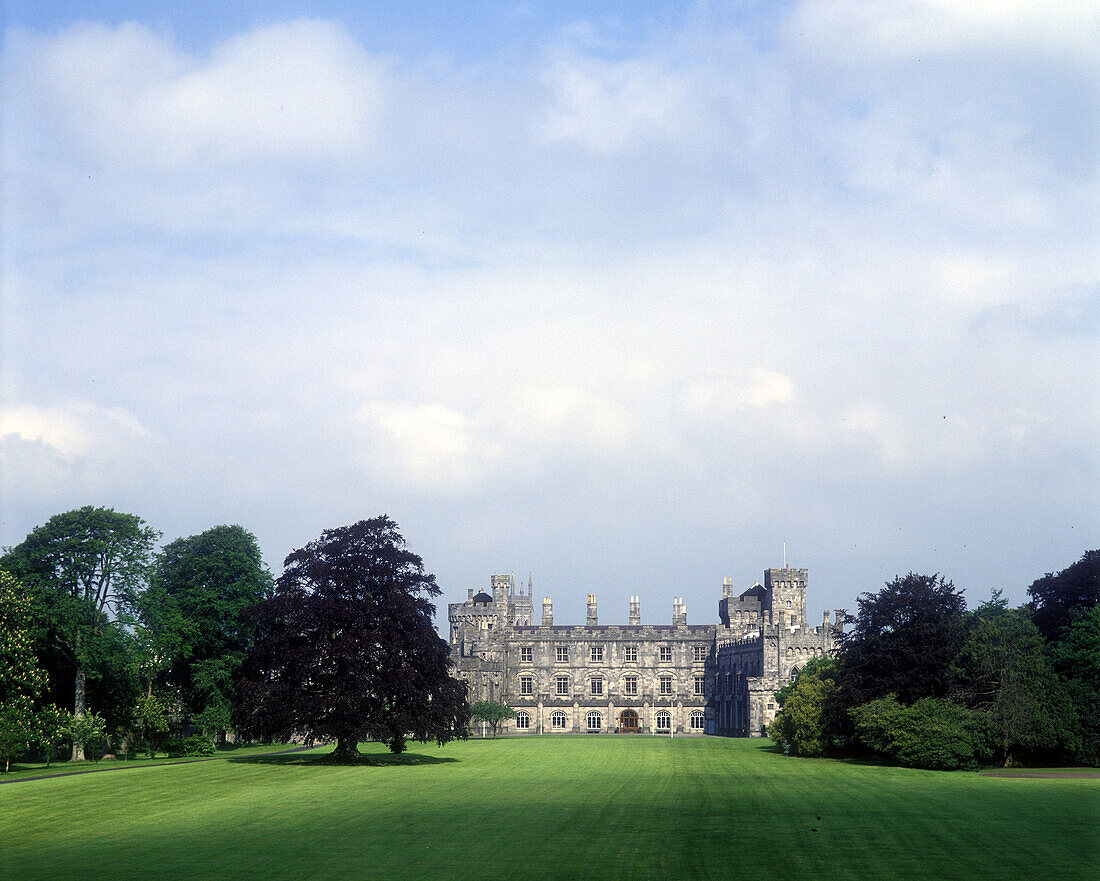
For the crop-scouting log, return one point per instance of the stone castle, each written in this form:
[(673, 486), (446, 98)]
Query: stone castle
[(636, 678)]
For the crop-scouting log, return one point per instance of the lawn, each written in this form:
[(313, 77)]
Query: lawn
[(551, 807)]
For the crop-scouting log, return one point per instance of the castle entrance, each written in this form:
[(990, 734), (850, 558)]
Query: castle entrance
[(628, 722)]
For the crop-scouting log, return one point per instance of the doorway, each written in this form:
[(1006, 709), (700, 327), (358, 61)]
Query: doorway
[(628, 722)]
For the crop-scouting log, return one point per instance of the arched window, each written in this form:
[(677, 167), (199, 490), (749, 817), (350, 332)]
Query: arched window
[(523, 721), (526, 685), (794, 673), (595, 721), (558, 721), (664, 721), (788, 604), (697, 721)]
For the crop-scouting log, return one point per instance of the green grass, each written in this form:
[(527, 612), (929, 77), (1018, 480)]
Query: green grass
[(549, 808), (22, 770)]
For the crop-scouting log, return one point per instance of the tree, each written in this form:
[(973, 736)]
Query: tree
[(1076, 659), (491, 713), (1056, 600), (190, 616), (53, 726), (1003, 672), (902, 641), (151, 721), (86, 564), (800, 725), (22, 681), (345, 649)]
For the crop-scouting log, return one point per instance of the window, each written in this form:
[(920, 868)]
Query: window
[(696, 721), (664, 721), (525, 654), (665, 653), (788, 604), (630, 685), (700, 684), (562, 653), (558, 721), (595, 721), (526, 685), (561, 685), (595, 686), (666, 684), (631, 654), (699, 653), (794, 673), (597, 653), (523, 721)]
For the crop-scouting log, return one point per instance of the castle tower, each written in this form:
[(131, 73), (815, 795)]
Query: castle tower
[(787, 591), (635, 612), (592, 619), (547, 612)]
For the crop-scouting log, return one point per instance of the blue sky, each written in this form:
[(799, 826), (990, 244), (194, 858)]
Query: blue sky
[(620, 295)]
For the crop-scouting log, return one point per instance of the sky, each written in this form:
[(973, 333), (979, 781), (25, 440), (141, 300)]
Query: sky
[(622, 298)]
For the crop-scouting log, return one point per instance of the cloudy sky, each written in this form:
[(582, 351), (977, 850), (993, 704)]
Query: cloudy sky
[(620, 295)]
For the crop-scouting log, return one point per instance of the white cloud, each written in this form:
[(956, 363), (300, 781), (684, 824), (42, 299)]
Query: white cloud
[(296, 90), (860, 30), (613, 105), (74, 429), (761, 388)]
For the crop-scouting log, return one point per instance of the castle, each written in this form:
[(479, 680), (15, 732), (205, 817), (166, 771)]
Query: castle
[(636, 678)]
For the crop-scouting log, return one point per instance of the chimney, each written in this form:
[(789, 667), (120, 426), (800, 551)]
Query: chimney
[(547, 612), (469, 594), (592, 619), (727, 588), (679, 611), (826, 619), (635, 611)]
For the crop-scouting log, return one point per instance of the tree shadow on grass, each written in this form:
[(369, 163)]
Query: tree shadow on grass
[(371, 760)]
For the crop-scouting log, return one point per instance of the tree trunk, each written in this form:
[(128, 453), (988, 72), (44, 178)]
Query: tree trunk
[(78, 710), (347, 748)]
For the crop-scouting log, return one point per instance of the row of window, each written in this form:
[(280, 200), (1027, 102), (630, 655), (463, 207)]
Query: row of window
[(559, 721), (596, 685), (630, 652)]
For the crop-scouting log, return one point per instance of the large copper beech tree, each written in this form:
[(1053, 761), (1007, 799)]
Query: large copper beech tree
[(345, 649)]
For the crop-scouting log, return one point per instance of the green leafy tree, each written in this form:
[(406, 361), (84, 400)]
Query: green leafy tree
[(151, 721), (214, 719), (491, 713), (1003, 672), (1076, 659), (87, 565), (53, 725), (87, 731), (800, 727), (346, 648), (191, 628), (22, 681)]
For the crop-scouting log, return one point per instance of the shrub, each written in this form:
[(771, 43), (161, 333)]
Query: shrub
[(189, 747), (933, 733), (800, 726)]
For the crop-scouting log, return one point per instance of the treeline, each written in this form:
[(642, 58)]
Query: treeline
[(921, 681), (107, 644)]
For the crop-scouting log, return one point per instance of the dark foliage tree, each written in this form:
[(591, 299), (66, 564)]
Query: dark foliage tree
[(1056, 600), (902, 641), (1003, 672), (191, 629), (85, 566), (345, 649)]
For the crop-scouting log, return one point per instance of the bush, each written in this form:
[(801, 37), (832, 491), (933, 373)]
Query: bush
[(933, 733), (190, 747)]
